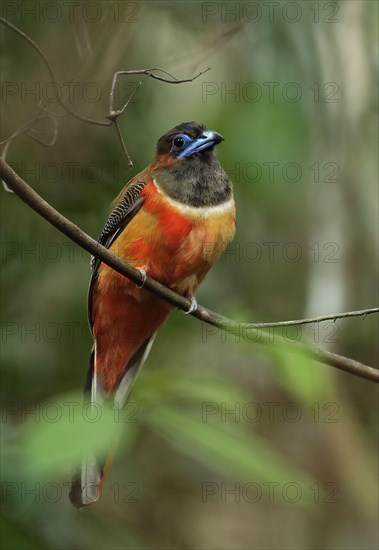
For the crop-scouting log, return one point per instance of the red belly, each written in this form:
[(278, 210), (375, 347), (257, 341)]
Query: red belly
[(170, 247)]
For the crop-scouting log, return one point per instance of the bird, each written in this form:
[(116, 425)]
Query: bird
[(171, 221)]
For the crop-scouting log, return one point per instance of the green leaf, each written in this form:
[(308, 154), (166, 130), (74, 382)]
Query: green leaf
[(240, 456), (171, 384), (300, 376), (64, 432)]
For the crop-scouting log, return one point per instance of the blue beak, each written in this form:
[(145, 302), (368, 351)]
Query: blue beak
[(207, 140)]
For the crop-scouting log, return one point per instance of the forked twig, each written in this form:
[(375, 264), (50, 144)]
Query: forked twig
[(113, 115)]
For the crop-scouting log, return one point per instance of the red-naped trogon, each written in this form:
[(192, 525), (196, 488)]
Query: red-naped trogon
[(172, 221)]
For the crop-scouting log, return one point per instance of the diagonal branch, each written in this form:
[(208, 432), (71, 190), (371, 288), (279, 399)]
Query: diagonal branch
[(73, 232)]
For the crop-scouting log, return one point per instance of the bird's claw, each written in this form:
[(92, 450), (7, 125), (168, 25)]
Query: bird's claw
[(193, 306), (143, 276)]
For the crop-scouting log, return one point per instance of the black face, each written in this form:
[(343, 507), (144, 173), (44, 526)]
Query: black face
[(187, 139), (196, 177)]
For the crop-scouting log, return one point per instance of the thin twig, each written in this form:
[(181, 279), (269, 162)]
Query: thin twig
[(53, 139), (334, 317), (3, 155), (27, 126), (148, 73), (44, 114), (52, 76), (37, 203), (112, 115), (121, 139)]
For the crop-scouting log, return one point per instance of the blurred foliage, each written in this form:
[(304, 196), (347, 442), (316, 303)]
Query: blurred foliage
[(218, 425)]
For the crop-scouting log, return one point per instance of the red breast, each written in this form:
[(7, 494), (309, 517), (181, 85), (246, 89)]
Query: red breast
[(175, 243)]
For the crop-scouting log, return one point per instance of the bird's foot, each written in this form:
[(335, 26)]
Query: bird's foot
[(193, 306), (143, 278)]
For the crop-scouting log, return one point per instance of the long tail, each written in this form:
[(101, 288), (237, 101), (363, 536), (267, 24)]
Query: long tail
[(87, 482)]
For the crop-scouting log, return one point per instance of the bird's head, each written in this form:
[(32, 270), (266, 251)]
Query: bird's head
[(186, 168), (186, 140)]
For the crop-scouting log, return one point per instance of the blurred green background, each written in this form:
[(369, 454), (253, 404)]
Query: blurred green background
[(227, 444)]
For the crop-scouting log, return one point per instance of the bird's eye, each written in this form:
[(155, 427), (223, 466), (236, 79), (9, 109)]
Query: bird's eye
[(178, 142)]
